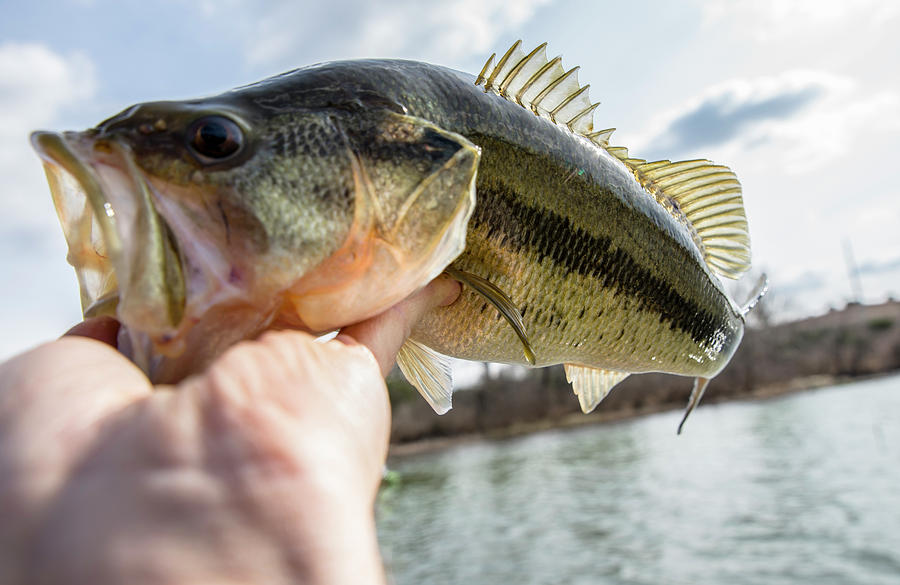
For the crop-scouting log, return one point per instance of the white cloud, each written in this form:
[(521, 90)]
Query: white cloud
[(36, 83), (808, 147), (36, 86), (451, 29), (282, 31), (809, 117), (767, 20), (835, 127)]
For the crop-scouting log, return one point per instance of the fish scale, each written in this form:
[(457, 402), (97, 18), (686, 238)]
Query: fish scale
[(546, 235), (661, 306)]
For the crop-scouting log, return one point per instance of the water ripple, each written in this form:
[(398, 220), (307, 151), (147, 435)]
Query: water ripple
[(802, 489)]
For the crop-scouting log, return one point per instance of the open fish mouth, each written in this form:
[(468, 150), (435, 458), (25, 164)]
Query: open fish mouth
[(125, 257)]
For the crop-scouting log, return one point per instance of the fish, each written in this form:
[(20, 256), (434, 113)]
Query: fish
[(322, 196), (201, 223)]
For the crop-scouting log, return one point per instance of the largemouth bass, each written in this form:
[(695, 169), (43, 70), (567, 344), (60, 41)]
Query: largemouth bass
[(321, 196)]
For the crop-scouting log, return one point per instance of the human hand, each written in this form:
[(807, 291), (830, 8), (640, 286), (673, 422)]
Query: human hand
[(263, 469)]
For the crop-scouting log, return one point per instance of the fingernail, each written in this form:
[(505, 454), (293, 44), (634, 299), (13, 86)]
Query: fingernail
[(103, 329), (452, 288), (345, 339)]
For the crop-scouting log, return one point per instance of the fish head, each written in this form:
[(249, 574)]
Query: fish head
[(200, 223)]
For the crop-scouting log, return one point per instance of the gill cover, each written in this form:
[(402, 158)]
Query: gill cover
[(414, 193)]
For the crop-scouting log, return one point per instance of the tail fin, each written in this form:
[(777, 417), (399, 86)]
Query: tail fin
[(759, 291)]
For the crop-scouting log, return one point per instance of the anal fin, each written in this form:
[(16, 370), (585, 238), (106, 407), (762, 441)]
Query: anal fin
[(591, 385), (696, 394), (429, 372)]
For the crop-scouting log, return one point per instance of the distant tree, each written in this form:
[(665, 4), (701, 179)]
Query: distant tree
[(486, 375)]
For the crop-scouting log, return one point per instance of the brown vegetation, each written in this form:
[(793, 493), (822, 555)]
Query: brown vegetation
[(859, 340)]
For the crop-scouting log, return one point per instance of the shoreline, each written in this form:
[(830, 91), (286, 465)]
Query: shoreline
[(575, 420), (854, 343)]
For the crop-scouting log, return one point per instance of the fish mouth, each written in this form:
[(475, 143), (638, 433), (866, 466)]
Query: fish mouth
[(124, 254)]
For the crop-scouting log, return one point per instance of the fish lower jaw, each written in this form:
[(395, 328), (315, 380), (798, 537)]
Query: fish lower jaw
[(118, 245)]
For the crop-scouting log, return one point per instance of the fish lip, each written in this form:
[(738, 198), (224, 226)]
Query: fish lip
[(54, 150), (118, 274)]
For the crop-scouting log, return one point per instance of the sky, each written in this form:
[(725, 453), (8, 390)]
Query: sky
[(801, 98)]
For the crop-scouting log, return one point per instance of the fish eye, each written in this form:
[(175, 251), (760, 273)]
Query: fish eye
[(214, 138)]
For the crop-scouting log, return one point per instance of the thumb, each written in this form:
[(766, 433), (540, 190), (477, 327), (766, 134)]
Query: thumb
[(385, 333)]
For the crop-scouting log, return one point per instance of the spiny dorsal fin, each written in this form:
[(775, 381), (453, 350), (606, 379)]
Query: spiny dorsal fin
[(591, 385), (704, 196), (542, 86)]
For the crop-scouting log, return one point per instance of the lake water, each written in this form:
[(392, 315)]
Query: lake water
[(799, 489)]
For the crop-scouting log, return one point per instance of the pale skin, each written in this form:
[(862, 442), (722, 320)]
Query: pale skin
[(263, 469)]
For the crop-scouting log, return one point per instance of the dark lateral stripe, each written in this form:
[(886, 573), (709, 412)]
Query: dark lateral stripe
[(552, 236)]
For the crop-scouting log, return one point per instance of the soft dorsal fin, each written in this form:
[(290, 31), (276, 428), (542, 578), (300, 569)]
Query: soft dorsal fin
[(704, 196), (708, 197), (591, 385)]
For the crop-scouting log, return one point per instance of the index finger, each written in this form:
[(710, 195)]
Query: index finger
[(385, 333), (105, 329)]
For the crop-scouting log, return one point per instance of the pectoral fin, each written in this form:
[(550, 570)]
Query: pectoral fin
[(591, 385), (501, 301), (694, 400), (429, 372)]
